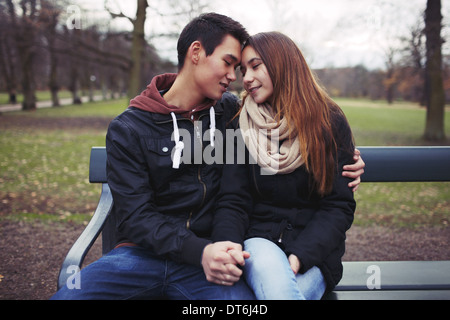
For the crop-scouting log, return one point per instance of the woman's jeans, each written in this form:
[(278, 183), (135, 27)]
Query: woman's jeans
[(270, 276), (135, 273)]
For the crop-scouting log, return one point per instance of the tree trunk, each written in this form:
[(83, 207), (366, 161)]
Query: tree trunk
[(137, 49), (25, 36), (434, 130), (53, 82), (75, 62), (28, 87), (7, 67), (53, 77)]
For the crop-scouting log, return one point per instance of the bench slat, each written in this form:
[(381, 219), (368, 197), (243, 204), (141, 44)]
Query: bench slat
[(405, 164), (389, 295), (396, 275), (383, 164)]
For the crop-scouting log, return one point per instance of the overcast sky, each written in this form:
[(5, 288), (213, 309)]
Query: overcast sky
[(330, 32)]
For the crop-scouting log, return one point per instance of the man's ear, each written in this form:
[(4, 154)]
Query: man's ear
[(195, 51)]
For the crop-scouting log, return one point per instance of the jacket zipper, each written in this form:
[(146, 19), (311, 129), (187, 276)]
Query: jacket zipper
[(199, 177), (288, 227), (280, 240), (188, 222), (198, 134), (254, 181)]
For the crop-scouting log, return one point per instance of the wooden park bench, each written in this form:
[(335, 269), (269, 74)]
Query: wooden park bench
[(371, 280)]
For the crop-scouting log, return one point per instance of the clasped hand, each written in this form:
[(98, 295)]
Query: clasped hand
[(221, 261)]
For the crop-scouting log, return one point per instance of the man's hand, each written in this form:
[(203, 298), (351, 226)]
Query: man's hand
[(354, 171), (220, 262)]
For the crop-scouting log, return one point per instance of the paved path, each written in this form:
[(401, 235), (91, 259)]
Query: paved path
[(44, 104)]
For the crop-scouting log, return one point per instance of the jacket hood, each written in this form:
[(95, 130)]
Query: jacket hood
[(151, 99)]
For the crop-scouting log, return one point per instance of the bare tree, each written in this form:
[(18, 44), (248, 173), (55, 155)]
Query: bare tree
[(173, 12), (25, 29), (281, 14), (390, 81), (138, 43), (434, 129), (8, 69), (50, 13), (414, 61)]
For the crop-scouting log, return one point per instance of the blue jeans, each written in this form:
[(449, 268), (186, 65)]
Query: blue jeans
[(270, 276), (136, 273)]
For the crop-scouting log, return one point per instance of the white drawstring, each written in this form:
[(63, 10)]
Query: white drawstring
[(212, 126), (179, 145)]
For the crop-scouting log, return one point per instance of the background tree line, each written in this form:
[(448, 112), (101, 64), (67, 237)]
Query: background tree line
[(53, 45), (415, 71)]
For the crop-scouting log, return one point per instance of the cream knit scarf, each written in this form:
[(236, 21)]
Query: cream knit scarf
[(262, 135)]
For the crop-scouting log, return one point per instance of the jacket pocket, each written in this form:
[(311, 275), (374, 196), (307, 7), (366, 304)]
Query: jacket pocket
[(160, 146), (159, 159)]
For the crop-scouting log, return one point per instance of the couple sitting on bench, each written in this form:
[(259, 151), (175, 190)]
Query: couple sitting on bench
[(191, 219)]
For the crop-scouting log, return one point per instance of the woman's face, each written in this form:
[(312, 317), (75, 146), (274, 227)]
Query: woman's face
[(256, 78)]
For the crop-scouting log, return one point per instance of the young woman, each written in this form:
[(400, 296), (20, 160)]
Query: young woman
[(292, 206)]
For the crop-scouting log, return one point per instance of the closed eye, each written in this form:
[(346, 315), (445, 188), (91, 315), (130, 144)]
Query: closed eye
[(254, 67)]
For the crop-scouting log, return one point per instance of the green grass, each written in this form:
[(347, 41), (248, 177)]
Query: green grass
[(396, 204), (40, 96), (47, 171), (109, 108), (403, 204), (377, 123), (44, 173)]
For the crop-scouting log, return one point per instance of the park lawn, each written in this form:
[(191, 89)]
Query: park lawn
[(40, 96), (44, 173), (398, 204), (376, 123), (108, 108)]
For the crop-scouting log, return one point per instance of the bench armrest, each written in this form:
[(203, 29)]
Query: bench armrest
[(81, 247)]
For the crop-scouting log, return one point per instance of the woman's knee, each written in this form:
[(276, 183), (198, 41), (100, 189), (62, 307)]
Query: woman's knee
[(263, 249)]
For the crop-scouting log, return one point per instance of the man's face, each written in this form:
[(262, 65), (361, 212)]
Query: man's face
[(216, 71)]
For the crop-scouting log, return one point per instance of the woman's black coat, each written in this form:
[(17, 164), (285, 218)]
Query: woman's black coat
[(286, 210)]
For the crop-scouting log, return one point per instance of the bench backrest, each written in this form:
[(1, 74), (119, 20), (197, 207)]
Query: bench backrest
[(383, 164)]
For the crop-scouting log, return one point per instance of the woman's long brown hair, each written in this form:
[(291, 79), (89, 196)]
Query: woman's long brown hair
[(299, 98)]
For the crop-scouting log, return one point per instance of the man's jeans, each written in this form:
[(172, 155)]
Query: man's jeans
[(135, 273), (269, 274)]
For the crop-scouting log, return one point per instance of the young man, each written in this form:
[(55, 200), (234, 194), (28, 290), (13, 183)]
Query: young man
[(164, 192), (163, 208)]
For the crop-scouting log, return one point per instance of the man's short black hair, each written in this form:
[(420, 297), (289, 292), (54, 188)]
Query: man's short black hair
[(210, 29)]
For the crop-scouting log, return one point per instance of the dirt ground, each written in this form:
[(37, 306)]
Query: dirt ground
[(31, 253)]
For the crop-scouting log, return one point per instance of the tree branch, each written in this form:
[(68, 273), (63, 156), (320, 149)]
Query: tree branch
[(117, 15)]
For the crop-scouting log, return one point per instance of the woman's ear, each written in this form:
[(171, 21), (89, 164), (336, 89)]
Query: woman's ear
[(195, 51)]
